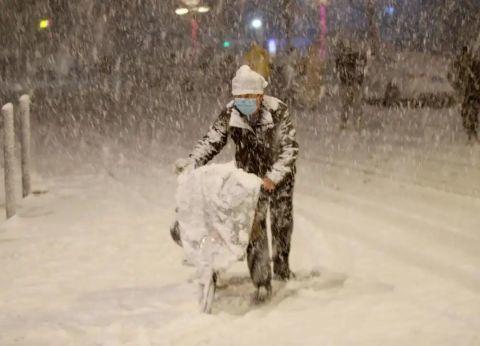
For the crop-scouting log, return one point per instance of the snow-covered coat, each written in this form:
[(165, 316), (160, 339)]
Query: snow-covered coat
[(266, 149)]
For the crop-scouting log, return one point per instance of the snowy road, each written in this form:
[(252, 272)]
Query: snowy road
[(396, 247)]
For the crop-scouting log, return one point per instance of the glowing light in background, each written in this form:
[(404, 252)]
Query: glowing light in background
[(227, 44), (181, 11), (195, 28), (390, 10), (44, 24), (203, 9), (272, 46), (323, 30), (257, 23)]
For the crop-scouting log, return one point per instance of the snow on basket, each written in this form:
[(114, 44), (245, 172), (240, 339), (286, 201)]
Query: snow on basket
[(215, 211)]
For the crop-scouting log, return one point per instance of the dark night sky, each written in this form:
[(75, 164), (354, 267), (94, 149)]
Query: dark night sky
[(432, 24)]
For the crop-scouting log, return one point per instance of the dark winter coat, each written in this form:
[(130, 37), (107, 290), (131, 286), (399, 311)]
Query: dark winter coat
[(267, 149), (350, 67), (461, 69), (472, 90)]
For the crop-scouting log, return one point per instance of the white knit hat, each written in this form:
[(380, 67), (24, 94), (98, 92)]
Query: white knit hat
[(247, 81)]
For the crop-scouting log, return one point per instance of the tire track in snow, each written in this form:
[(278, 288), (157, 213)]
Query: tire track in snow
[(427, 200), (416, 223), (418, 181), (385, 238)]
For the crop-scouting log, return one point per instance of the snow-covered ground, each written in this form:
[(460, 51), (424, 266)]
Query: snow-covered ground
[(388, 222)]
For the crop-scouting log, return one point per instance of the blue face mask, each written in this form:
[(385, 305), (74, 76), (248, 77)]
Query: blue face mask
[(246, 106)]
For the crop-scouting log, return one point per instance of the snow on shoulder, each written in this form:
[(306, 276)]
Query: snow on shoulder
[(216, 206), (272, 102)]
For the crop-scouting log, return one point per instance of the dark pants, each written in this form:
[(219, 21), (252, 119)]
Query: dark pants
[(281, 216), (470, 114), (351, 96)]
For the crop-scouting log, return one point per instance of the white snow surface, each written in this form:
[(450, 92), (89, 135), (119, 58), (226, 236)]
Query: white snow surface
[(390, 220), (215, 210)]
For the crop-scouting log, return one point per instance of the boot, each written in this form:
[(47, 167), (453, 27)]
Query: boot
[(281, 269), (259, 265)]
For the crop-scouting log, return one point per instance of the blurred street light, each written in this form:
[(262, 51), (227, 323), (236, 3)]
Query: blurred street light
[(203, 9), (257, 23), (191, 8), (181, 11), (390, 10), (272, 46), (44, 24)]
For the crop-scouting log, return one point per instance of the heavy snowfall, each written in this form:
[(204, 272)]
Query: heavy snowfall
[(385, 248)]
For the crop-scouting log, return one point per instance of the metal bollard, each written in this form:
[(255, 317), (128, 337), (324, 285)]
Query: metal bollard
[(25, 143), (9, 153)]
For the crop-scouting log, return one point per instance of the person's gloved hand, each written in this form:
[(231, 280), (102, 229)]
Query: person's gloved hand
[(183, 165), (268, 185)]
